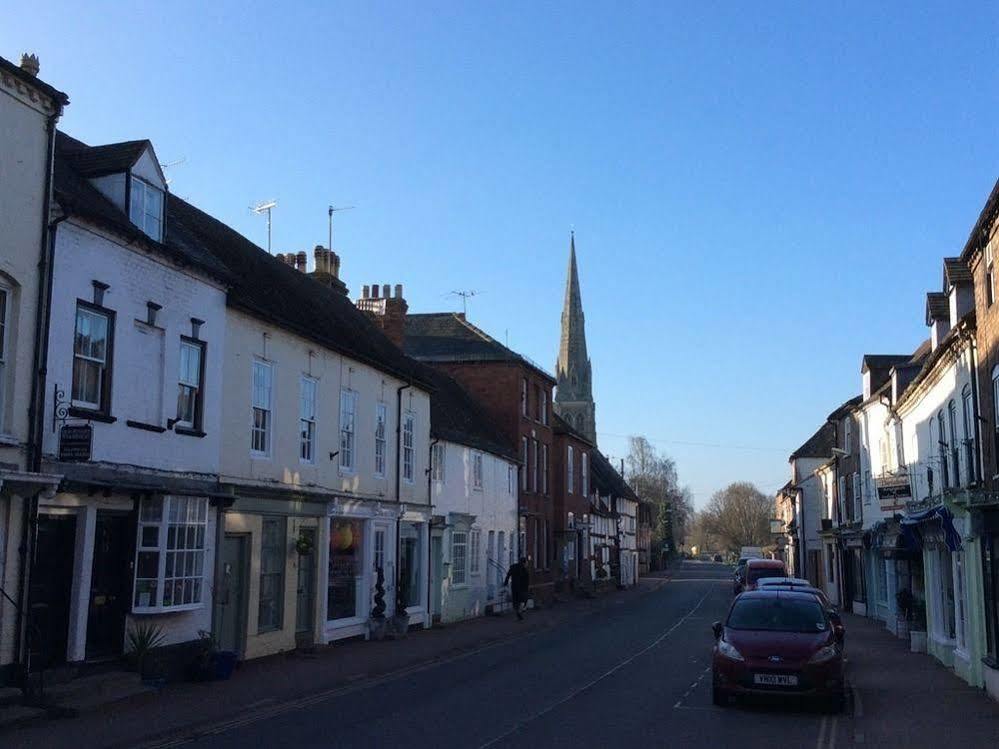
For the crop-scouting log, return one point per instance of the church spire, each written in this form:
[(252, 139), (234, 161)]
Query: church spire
[(574, 397)]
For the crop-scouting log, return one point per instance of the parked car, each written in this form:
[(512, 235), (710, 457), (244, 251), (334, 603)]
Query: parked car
[(796, 583), (717, 558), (739, 575), (777, 642), (746, 575)]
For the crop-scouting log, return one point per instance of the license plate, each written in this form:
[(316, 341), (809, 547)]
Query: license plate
[(775, 680)]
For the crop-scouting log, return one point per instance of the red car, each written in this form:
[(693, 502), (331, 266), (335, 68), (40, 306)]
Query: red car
[(756, 569), (777, 642)]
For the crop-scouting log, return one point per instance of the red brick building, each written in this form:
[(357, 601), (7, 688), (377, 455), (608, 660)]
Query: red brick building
[(572, 493), (517, 394)]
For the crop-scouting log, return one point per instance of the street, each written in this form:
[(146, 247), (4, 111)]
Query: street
[(636, 674)]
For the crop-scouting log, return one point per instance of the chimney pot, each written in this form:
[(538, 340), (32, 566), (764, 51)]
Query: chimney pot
[(365, 290), (374, 291), (398, 291), (30, 64), (386, 291), (302, 261), (334, 264)]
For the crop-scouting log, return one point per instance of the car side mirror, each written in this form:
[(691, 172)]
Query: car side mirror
[(717, 629)]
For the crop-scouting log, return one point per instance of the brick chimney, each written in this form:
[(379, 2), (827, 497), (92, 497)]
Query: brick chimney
[(388, 310), (327, 269), (288, 259)]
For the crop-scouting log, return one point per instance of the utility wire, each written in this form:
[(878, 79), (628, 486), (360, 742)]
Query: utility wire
[(718, 445)]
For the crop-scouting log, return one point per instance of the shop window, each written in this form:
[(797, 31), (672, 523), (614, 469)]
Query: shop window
[(459, 560), (273, 550), (410, 556), (170, 554), (346, 569)]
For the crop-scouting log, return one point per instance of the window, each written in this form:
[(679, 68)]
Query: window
[(970, 446), (544, 542), (146, 208), (459, 549), (523, 464), (474, 543), (942, 450), (955, 452), (511, 481), (380, 549), (537, 544), (260, 431), (307, 420), (947, 623), (544, 407), (569, 470), (411, 555), (381, 414), (348, 409), (273, 546), (408, 422), (990, 294), (995, 420), (344, 588), (544, 469), (170, 553), (841, 499), (534, 466), (847, 435), (4, 317), (476, 475), (523, 396), (437, 456), (584, 481), (960, 612), (92, 343), (521, 538), (858, 510), (190, 390)]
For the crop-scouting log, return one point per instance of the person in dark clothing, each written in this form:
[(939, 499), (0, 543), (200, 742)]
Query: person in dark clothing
[(520, 580)]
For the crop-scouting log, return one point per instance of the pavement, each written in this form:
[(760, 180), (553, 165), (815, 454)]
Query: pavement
[(631, 667)]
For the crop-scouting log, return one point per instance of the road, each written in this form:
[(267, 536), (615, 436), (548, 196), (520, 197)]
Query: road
[(637, 673)]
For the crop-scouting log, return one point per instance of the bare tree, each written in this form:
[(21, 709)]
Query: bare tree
[(654, 478), (739, 515)]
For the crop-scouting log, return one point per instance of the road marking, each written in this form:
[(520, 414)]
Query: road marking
[(821, 743), (833, 723), (589, 685), (858, 706)]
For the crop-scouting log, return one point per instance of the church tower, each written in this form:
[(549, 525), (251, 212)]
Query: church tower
[(574, 397)]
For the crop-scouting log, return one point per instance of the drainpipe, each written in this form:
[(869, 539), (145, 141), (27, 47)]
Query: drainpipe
[(46, 254), (430, 561), (398, 478)]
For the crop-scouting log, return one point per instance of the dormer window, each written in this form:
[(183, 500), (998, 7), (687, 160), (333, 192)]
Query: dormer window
[(146, 208)]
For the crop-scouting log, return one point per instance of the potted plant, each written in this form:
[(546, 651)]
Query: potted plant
[(209, 662), (377, 622), (304, 544), (143, 637), (917, 627)]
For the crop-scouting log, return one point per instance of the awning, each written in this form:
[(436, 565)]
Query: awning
[(911, 523)]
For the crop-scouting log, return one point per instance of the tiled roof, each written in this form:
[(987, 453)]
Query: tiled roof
[(606, 478), (819, 445), (845, 408), (979, 233), (561, 426), (882, 361), (18, 72), (96, 161), (937, 307), (449, 337), (956, 271), (456, 416)]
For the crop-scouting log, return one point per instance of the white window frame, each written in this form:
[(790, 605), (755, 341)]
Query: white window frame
[(186, 382), (477, 471), (525, 462), (544, 406), (104, 365), (459, 558), (409, 447), (474, 552), (511, 480), (523, 396), (438, 462), (535, 452), (5, 306), (584, 481), (188, 549), (307, 427), (381, 444), (545, 471), (858, 503), (149, 195), (348, 431), (570, 473), (264, 405)]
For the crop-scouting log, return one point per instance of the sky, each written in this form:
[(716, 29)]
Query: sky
[(760, 194)]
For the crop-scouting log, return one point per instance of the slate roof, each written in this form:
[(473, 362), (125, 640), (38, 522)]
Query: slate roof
[(882, 361), (937, 307), (979, 233), (819, 445), (607, 479), (561, 426), (844, 408), (456, 416), (96, 161), (920, 368), (15, 70), (956, 271), (449, 337)]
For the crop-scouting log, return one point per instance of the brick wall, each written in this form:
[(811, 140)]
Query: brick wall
[(988, 357)]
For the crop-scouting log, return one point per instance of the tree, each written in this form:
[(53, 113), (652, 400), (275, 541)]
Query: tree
[(654, 479), (739, 515)]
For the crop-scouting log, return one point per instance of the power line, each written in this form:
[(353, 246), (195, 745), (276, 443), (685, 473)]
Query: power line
[(687, 443)]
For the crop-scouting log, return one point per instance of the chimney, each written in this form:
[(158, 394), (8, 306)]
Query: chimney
[(365, 290), (327, 270), (288, 259), (388, 312), (29, 64), (302, 261)]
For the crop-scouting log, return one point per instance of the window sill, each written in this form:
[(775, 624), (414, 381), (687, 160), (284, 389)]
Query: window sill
[(9, 439), (259, 456), (167, 609), (145, 426), (86, 413), (188, 432)]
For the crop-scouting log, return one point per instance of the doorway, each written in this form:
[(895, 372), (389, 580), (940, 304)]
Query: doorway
[(232, 592), (50, 590), (437, 578), (109, 585), (306, 590)]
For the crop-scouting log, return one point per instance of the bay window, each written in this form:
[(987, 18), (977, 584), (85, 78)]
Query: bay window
[(92, 342), (170, 553)]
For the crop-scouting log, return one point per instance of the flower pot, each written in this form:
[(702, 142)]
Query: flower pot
[(223, 664), (400, 626), (378, 627)]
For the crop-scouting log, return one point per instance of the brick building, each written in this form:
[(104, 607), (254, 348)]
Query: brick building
[(517, 394), (572, 494)]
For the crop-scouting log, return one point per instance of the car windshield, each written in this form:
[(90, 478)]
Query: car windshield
[(758, 573), (777, 615)]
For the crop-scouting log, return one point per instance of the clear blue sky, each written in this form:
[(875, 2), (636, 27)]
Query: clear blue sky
[(759, 195)]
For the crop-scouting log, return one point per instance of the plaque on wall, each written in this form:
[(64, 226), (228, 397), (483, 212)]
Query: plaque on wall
[(75, 443)]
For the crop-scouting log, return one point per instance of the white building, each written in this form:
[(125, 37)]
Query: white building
[(132, 413), (473, 480), (29, 109), (627, 510), (805, 491)]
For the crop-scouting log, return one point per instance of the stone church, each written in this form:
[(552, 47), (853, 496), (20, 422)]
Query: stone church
[(574, 397)]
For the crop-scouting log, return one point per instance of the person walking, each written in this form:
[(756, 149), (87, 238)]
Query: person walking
[(519, 580)]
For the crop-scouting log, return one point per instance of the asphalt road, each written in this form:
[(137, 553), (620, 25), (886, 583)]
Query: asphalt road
[(637, 673)]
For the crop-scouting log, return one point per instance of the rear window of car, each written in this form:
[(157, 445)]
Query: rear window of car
[(777, 615), (756, 573)]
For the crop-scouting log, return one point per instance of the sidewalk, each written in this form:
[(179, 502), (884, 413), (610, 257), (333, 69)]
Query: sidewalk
[(900, 698), (186, 708)]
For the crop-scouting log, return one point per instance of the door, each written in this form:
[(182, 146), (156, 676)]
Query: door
[(50, 590), (110, 584), (305, 608), (231, 594), (383, 557), (437, 579)]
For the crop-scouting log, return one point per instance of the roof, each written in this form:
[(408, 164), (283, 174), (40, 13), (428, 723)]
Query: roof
[(77, 196), (561, 426), (956, 271), (775, 563), (24, 76), (845, 408), (882, 361), (456, 416), (979, 233), (96, 161), (819, 445), (449, 337), (937, 307), (607, 479), (929, 360)]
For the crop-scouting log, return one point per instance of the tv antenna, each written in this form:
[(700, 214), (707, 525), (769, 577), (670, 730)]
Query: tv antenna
[(333, 209), (465, 295), (265, 207), (167, 165)]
